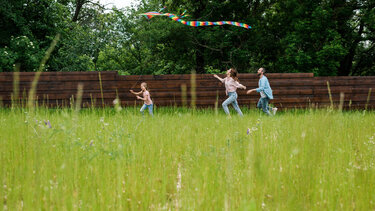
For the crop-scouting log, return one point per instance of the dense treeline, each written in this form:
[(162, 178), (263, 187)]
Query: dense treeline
[(327, 37)]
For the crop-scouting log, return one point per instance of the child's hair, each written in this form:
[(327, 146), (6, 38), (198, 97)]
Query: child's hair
[(233, 73), (145, 85)]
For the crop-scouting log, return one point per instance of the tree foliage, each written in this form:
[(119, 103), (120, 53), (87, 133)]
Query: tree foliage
[(327, 37)]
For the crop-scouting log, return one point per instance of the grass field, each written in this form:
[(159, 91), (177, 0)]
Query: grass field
[(180, 159)]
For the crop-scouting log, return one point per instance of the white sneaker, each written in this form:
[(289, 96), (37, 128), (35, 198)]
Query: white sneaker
[(274, 110)]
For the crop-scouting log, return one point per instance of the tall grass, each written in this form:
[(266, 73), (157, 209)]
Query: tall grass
[(101, 159), (32, 91)]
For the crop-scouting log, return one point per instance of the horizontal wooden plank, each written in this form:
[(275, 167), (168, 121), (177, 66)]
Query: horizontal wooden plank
[(110, 75), (241, 102), (344, 77), (278, 94), (251, 104), (345, 90), (61, 73), (344, 82), (241, 76), (173, 84), (72, 85), (61, 76)]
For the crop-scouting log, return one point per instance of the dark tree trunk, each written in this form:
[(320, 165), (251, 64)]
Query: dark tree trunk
[(199, 59), (347, 63), (79, 4)]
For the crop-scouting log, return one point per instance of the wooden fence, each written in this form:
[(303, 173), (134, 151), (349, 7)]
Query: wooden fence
[(291, 90)]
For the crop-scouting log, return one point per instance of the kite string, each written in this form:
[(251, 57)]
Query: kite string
[(136, 82)]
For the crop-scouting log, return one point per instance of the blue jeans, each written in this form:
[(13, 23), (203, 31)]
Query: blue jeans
[(263, 104), (232, 99), (149, 109)]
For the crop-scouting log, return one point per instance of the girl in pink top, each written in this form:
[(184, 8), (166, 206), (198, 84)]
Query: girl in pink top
[(146, 98), (231, 85)]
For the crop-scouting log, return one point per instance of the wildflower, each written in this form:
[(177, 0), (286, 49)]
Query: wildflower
[(269, 196), (118, 109), (47, 123), (248, 131), (263, 205), (117, 104)]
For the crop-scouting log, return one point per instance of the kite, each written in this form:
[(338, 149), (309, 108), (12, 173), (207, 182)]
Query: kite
[(177, 18)]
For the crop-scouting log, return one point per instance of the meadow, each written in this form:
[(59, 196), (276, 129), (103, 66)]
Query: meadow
[(183, 159)]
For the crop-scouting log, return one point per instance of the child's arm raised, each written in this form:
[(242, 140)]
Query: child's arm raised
[(136, 93), (238, 85), (221, 79)]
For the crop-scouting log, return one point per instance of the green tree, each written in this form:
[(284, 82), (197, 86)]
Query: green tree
[(327, 37), (26, 29)]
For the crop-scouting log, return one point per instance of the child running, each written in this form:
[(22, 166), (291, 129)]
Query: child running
[(231, 85), (146, 98)]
